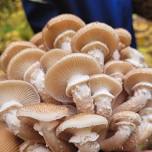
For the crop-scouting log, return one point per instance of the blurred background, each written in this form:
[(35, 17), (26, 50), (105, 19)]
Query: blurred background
[(14, 26)]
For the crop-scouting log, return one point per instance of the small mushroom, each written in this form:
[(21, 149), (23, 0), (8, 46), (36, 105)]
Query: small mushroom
[(14, 94), (124, 38), (123, 124), (96, 39), (68, 79), (59, 30), (22, 61), (8, 142), (12, 49), (117, 69), (133, 56), (104, 89), (37, 39), (138, 82), (48, 117), (85, 130), (51, 57), (31, 146)]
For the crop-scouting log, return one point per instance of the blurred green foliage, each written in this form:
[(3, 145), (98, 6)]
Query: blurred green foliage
[(13, 23)]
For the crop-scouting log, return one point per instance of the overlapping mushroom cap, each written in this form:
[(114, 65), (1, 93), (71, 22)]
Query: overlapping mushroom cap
[(12, 49), (98, 32), (22, 61), (37, 39), (58, 25), (58, 76)]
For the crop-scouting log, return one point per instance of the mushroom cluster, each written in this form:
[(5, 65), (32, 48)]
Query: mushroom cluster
[(75, 87)]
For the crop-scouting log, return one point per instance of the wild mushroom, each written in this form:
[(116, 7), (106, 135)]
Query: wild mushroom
[(31, 146), (12, 49), (138, 82), (8, 142), (48, 117), (22, 61), (124, 38), (143, 132), (96, 39), (59, 30), (84, 129), (117, 69), (104, 89), (37, 39), (51, 57), (35, 75), (14, 94), (133, 56), (68, 79), (123, 124)]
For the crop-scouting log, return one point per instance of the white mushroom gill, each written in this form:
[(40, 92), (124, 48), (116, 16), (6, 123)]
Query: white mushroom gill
[(102, 99), (81, 93)]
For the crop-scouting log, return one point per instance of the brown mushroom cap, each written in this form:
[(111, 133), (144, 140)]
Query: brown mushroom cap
[(12, 49), (95, 32), (3, 76), (117, 66), (98, 81), (51, 57), (136, 76), (83, 120), (58, 25), (22, 61), (8, 142), (123, 116), (37, 39), (57, 76), (44, 112), (16, 90), (124, 36)]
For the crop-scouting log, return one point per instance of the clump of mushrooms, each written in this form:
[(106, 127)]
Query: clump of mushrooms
[(75, 87)]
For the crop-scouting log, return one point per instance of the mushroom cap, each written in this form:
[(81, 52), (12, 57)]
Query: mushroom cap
[(3, 76), (16, 90), (96, 45), (8, 141), (95, 32), (124, 36), (146, 111), (57, 76), (58, 25), (83, 120), (22, 61), (12, 49), (44, 112), (117, 66), (98, 81), (37, 39), (51, 57), (136, 76), (125, 116)]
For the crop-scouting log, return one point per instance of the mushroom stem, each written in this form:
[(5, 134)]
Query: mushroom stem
[(85, 140), (82, 97), (49, 134), (139, 100), (116, 55), (63, 40), (118, 139), (103, 104), (12, 121), (98, 55)]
